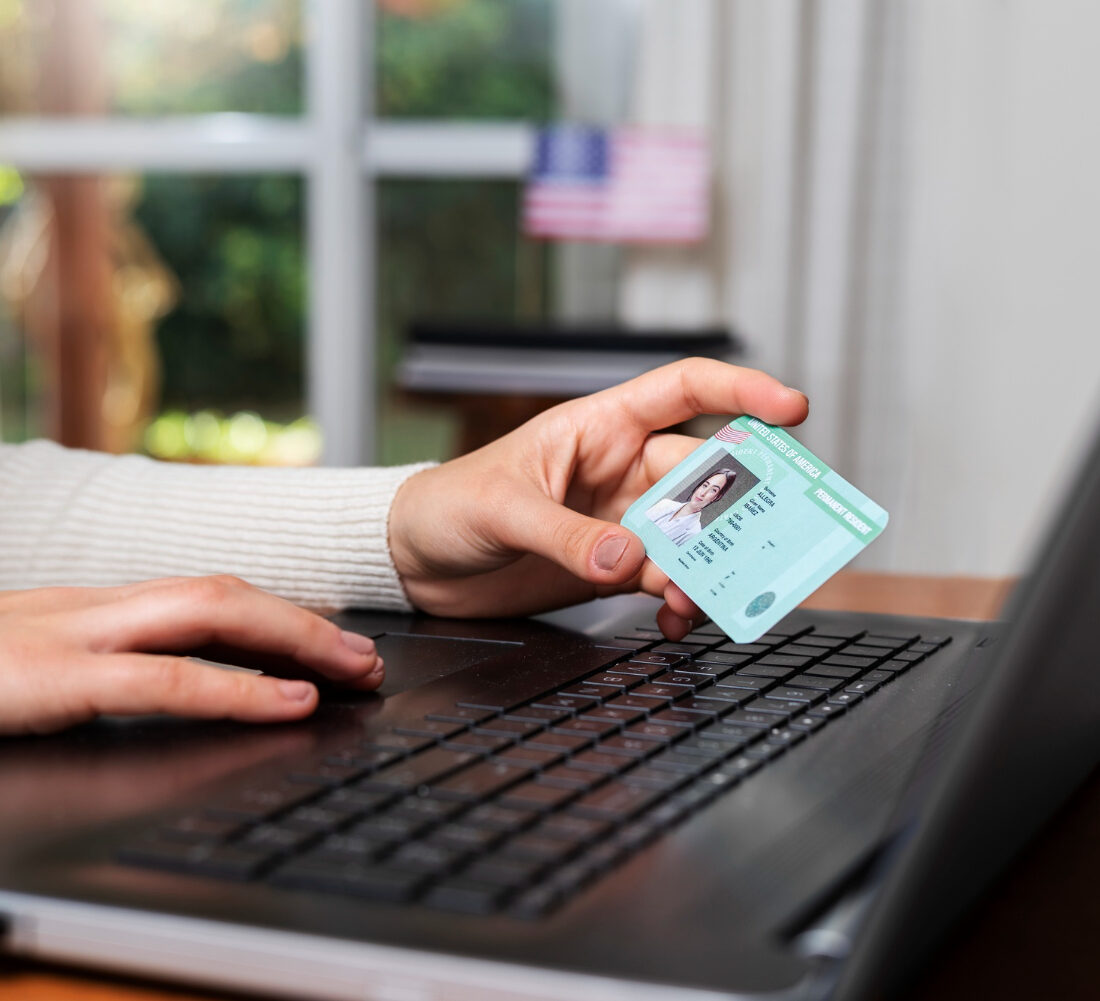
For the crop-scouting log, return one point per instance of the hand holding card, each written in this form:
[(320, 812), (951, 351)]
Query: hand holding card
[(750, 524)]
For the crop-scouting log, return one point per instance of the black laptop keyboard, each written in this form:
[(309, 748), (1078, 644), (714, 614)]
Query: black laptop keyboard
[(512, 801)]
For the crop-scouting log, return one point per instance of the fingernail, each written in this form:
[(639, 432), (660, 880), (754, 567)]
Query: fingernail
[(610, 551), (791, 389), (296, 691), (357, 642)]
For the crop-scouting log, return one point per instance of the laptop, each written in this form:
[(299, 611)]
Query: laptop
[(572, 807)]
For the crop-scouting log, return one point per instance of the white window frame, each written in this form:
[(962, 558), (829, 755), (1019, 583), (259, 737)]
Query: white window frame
[(341, 149)]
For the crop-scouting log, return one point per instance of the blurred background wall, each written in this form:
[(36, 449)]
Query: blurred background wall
[(220, 220)]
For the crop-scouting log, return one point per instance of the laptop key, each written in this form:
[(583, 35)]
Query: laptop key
[(780, 707), (536, 796), (751, 649), (643, 671), (428, 858), (674, 761), (500, 818), (765, 671), (391, 827), (513, 728), (675, 717), (426, 808), (655, 731), (782, 660), (479, 782), (623, 682), (534, 847), (563, 743), (615, 713), (660, 779), (709, 750), (826, 710), (372, 882), (478, 743), (792, 694), (512, 873), (681, 679), (730, 730), (807, 723), (718, 658), (707, 707), (350, 848), (460, 714), (821, 682), (595, 761), (467, 896), (567, 827), (537, 902), (627, 746), (844, 660), (277, 838), (526, 756), (587, 727), (646, 703), (570, 703), (863, 686), (862, 650), (536, 714), (751, 718), (665, 659), (566, 777), (615, 801), (428, 766), (821, 642), (744, 683), (590, 690), (464, 837), (661, 692)]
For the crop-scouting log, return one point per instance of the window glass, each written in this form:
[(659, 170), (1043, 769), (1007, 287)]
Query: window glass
[(170, 297), (464, 58), (142, 58), (449, 252)]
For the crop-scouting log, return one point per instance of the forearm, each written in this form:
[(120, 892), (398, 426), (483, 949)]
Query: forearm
[(314, 536)]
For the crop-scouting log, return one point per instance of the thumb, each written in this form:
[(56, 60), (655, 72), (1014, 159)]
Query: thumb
[(599, 552)]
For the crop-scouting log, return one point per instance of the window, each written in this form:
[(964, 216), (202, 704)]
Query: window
[(294, 281)]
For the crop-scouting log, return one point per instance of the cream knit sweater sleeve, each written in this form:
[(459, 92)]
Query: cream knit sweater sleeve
[(314, 536)]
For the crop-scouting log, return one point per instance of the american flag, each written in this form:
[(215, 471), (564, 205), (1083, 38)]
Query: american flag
[(731, 434), (619, 185)]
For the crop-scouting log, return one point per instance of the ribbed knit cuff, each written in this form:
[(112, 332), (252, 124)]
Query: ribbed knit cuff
[(314, 536)]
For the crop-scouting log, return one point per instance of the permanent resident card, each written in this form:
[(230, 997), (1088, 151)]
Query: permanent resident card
[(752, 523)]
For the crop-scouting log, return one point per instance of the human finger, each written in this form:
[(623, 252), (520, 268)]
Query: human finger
[(134, 684), (675, 393), (206, 611), (597, 551)]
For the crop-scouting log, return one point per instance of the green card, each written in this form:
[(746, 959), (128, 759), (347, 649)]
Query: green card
[(750, 524)]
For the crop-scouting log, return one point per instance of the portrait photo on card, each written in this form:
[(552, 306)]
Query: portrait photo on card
[(715, 486)]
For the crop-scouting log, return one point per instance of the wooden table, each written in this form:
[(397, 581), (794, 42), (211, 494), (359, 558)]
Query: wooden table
[(1034, 938)]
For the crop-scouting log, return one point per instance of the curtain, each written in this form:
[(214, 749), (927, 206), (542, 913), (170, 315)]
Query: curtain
[(906, 226)]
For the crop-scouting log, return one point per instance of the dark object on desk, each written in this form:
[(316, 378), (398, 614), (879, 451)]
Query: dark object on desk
[(497, 376)]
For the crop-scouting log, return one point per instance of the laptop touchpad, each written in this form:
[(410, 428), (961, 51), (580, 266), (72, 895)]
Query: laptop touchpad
[(413, 660)]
